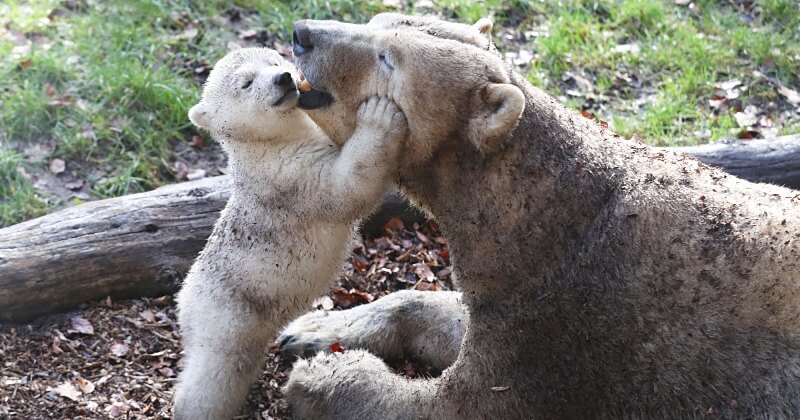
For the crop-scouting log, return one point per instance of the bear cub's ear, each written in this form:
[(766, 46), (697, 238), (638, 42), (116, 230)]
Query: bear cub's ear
[(200, 116), (497, 110), (483, 25)]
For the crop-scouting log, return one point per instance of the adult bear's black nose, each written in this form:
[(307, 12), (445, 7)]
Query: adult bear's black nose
[(301, 38), (284, 79)]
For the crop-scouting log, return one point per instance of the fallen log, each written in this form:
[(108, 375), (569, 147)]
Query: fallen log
[(773, 161), (143, 244), (135, 245)]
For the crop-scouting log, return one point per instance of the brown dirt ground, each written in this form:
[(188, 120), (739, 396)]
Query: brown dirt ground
[(120, 359)]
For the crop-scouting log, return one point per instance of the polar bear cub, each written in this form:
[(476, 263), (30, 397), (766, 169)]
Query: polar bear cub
[(284, 233)]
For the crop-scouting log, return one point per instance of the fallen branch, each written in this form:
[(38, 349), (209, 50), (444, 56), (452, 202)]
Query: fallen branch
[(143, 244)]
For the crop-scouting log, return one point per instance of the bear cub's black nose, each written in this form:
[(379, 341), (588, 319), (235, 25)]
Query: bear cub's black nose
[(301, 38), (284, 79)]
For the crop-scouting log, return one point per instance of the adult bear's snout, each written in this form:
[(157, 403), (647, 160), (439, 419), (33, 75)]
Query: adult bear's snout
[(301, 38)]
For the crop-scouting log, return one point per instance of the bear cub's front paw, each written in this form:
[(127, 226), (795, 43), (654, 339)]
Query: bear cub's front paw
[(381, 114)]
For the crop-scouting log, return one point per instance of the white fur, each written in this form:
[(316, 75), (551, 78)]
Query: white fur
[(423, 326), (284, 233)]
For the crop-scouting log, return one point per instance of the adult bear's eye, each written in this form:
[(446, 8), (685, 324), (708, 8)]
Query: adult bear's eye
[(247, 83), (386, 61)]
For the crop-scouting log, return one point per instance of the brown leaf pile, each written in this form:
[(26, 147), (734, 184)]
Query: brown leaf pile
[(120, 359)]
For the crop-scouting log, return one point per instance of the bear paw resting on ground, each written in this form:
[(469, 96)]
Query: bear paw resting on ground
[(602, 278), (409, 324), (284, 232)]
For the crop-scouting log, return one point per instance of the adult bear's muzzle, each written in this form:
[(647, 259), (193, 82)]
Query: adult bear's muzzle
[(314, 99)]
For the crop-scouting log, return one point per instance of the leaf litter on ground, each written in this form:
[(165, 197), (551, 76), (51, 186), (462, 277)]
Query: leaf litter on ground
[(120, 359)]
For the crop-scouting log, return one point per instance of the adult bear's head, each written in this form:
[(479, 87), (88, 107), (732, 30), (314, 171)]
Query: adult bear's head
[(446, 77)]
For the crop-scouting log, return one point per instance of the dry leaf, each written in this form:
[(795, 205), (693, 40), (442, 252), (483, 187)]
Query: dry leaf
[(49, 90), (500, 388), (395, 224), (408, 370), (248, 34), (119, 349), (81, 325), (61, 101), (165, 371), (195, 174), (198, 142), (426, 286), (745, 120), (67, 390), (117, 409), (360, 262), (148, 315), (57, 166), (181, 169), (283, 49), (86, 386), (55, 346), (747, 134), (74, 185), (626, 49), (188, 33), (424, 272), (791, 95), (728, 84), (346, 299), (444, 272), (324, 302)]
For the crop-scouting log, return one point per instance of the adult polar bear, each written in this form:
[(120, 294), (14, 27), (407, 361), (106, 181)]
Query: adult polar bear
[(603, 279)]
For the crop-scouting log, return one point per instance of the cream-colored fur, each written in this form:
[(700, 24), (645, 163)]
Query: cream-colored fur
[(423, 326), (284, 232), (602, 278)]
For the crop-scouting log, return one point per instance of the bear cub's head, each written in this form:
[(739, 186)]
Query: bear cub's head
[(251, 94)]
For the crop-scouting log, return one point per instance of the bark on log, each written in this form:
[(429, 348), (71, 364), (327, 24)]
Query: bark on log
[(136, 245), (774, 161), (143, 244)]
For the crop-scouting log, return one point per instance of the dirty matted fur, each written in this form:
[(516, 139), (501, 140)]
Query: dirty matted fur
[(284, 232), (602, 278)]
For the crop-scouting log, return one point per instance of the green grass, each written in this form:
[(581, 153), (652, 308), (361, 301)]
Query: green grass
[(17, 199), (682, 53), (106, 87), (121, 106)]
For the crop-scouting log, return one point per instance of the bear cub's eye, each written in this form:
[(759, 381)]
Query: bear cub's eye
[(247, 83)]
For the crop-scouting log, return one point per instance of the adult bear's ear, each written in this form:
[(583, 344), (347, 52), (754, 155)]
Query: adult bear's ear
[(199, 115), (498, 108)]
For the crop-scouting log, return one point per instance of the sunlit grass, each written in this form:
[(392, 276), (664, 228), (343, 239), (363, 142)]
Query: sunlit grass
[(682, 53)]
